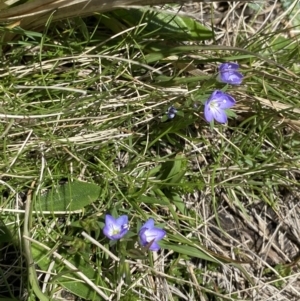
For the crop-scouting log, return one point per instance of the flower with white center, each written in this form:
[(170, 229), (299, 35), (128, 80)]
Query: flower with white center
[(150, 235), (115, 229), (228, 74), (215, 106)]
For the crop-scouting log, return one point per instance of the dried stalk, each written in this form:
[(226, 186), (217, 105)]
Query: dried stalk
[(36, 13)]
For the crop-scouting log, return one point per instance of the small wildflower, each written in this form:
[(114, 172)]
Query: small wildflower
[(115, 229), (228, 74), (150, 235), (215, 106), (171, 112)]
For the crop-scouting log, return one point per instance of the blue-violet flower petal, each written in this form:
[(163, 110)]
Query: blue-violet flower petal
[(115, 229), (228, 74), (171, 112), (215, 106), (150, 235)]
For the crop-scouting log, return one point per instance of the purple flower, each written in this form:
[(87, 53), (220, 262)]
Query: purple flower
[(228, 74), (115, 228), (215, 106), (171, 112), (150, 235)]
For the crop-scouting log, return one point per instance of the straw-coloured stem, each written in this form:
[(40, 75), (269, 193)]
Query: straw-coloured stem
[(36, 13)]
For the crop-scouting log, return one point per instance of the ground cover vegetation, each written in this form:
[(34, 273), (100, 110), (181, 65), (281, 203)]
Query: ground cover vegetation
[(151, 153)]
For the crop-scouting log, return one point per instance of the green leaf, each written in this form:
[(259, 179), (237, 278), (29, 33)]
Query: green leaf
[(68, 197), (282, 43), (164, 24), (294, 12), (161, 196), (172, 171), (65, 278), (176, 199), (189, 251)]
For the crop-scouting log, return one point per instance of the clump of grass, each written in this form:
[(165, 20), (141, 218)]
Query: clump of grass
[(84, 133)]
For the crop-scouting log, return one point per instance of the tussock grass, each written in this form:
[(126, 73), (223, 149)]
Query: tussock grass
[(85, 99)]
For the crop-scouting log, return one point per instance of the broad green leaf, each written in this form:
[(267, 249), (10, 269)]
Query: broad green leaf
[(68, 197), (189, 251), (281, 42), (185, 244), (172, 171), (176, 200), (164, 23), (165, 200), (67, 279)]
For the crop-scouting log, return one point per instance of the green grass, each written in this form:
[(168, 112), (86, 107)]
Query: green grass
[(85, 100)]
